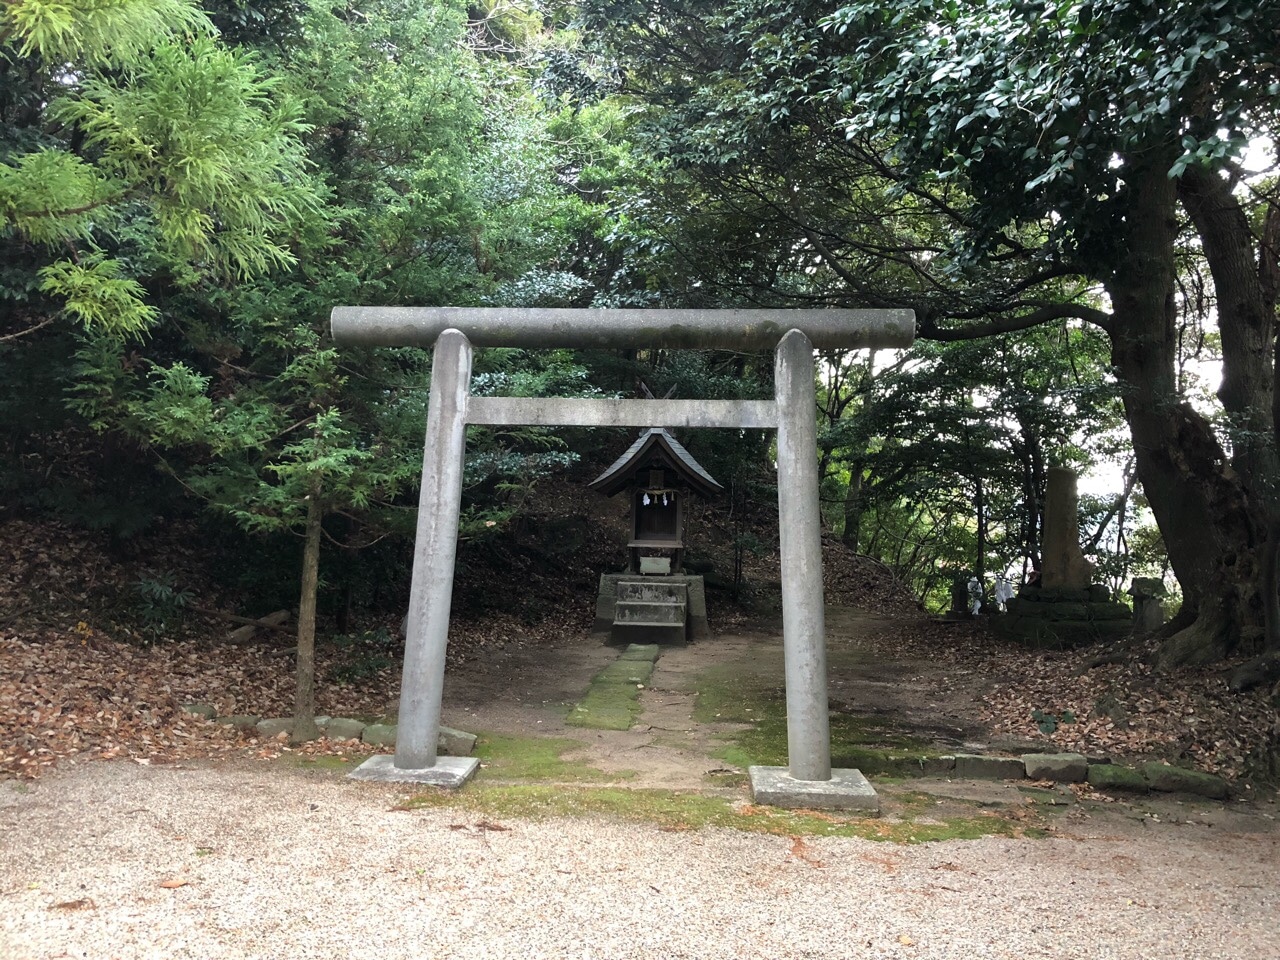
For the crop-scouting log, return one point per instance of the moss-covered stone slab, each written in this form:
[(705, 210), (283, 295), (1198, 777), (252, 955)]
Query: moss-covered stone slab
[(972, 766), (641, 651), (625, 671), (605, 707), (205, 710), (1113, 776), (1170, 779), (1059, 767)]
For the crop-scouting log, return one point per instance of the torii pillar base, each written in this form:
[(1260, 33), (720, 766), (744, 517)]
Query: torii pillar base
[(447, 772), (846, 790)]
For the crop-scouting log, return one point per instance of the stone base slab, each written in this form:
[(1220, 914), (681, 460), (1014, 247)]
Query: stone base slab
[(846, 790), (448, 772)]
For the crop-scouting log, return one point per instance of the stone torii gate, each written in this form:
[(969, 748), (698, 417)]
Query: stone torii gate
[(808, 780)]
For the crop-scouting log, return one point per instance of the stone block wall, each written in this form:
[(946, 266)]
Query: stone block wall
[(1063, 618)]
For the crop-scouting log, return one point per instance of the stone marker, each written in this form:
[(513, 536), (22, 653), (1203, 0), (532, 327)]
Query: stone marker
[(1063, 562), (1148, 604), (205, 710)]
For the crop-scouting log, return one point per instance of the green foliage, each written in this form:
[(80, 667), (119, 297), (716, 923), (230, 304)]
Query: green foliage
[(97, 32), (1047, 723), (139, 147), (160, 606)]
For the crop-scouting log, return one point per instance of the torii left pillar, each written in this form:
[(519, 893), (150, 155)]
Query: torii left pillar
[(435, 548)]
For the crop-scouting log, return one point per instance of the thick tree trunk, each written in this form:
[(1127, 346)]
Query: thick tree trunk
[(304, 703), (1199, 504), (1244, 282)]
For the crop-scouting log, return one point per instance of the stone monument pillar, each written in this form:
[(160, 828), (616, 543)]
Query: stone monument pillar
[(1063, 562), (1148, 604), (1063, 609)]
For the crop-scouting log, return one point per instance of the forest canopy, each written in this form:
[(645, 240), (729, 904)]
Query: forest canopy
[(1059, 190)]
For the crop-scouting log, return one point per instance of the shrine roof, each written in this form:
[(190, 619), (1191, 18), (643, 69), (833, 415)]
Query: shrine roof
[(619, 475)]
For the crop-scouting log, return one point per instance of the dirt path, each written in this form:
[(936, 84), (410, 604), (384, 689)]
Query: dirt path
[(521, 691)]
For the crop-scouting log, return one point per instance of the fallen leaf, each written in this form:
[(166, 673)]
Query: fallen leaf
[(906, 941), (174, 883), (82, 904)]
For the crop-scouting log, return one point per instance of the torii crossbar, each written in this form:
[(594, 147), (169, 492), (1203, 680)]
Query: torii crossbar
[(793, 334)]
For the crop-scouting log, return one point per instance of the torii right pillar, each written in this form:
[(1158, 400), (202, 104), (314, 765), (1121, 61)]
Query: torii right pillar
[(808, 780)]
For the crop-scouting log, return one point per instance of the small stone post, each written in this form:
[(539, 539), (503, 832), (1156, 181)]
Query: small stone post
[(803, 618)]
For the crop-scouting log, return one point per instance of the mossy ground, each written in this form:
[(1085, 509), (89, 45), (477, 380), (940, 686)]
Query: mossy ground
[(673, 810), (508, 757), (726, 695)]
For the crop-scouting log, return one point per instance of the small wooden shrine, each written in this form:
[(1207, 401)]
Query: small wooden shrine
[(654, 600)]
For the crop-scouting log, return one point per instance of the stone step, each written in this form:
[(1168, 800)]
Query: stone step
[(652, 591), (649, 633), (649, 612)]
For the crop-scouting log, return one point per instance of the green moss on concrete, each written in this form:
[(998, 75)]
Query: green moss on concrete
[(1162, 776), (624, 672), (857, 742), (507, 757), (1113, 776), (607, 706), (673, 810)]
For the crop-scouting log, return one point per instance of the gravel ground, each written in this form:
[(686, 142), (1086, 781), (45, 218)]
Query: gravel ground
[(281, 864)]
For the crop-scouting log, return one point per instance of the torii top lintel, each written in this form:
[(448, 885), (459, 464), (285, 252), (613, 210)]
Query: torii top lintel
[(732, 329)]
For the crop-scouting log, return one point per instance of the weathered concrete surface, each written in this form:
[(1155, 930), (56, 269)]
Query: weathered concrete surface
[(1063, 563), (972, 766), (1061, 767), (696, 626), (447, 772), (604, 412), (675, 329), (843, 790), (434, 550), (804, 640)]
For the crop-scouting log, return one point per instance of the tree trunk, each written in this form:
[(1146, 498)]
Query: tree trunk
[(853, 507), (304, 703), (1200, 507), (1244, 282)]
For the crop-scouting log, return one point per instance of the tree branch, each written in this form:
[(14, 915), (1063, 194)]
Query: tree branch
[(928, 329)]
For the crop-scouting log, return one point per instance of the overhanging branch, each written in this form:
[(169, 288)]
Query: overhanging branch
[(929, 330)]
